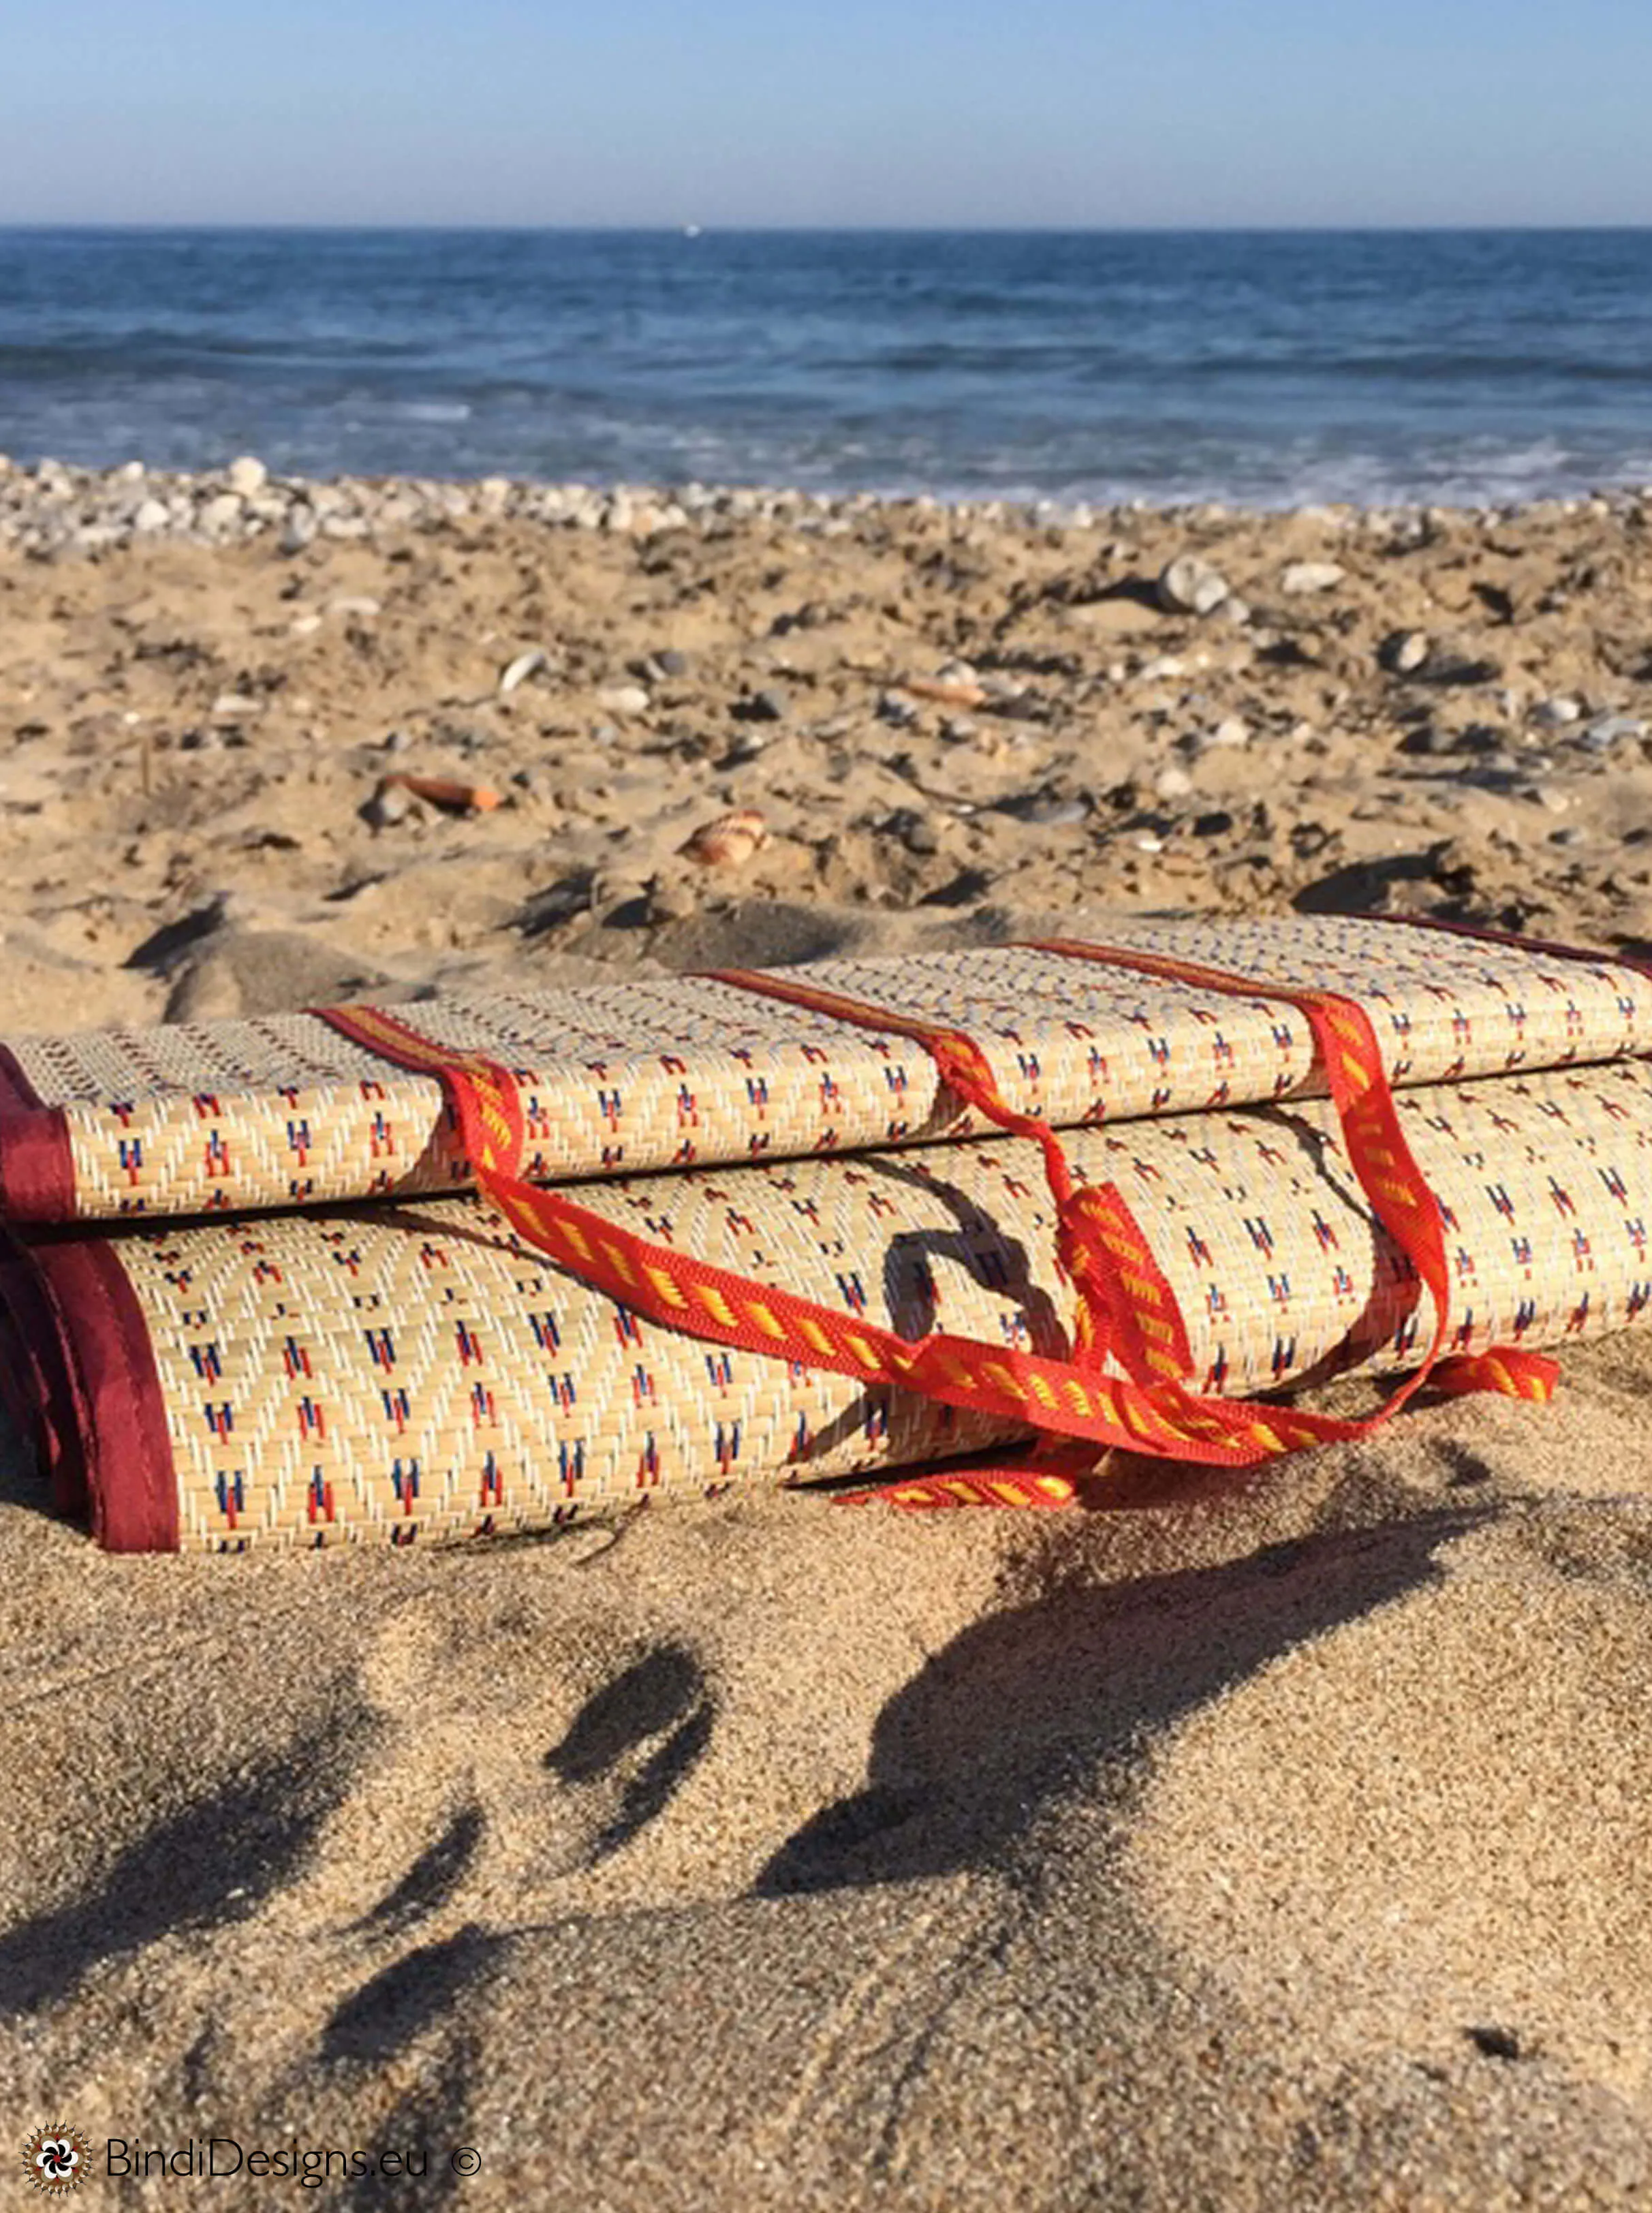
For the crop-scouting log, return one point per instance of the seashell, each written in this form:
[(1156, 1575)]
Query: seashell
[(729, 841), (943, 694), (445, 792), (524, 666)]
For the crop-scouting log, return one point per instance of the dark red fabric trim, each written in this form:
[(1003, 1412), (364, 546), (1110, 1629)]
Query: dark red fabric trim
[(36, 1382), (37, 1166), (17, 1092), (105, 1414), (1592, 955)]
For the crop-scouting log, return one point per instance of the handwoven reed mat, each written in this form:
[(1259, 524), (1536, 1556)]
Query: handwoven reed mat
[(409, 1371), (643, 1075)]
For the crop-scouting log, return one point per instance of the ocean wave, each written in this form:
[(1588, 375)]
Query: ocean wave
[(1267, 372)]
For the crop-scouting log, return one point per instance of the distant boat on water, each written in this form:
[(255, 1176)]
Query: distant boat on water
[(691, 231)]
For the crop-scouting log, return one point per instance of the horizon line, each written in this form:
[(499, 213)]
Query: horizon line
[(697, 230)]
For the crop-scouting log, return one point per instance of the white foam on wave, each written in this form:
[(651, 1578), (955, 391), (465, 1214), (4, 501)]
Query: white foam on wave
[(1473, 474)]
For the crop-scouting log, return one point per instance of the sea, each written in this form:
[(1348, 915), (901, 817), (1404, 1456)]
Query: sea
[(1264, 368)]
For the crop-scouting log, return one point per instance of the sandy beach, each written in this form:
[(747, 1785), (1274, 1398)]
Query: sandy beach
[(1281, 1842)]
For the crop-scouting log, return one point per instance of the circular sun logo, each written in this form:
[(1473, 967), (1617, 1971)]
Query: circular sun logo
[(58, 2160)]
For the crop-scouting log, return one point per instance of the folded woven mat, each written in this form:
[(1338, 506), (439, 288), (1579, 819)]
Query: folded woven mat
[(297, 1110), (447, 1366)]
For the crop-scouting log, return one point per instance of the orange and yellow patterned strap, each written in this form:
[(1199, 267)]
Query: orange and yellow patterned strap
[(1126, 1308), (1118, 1309)]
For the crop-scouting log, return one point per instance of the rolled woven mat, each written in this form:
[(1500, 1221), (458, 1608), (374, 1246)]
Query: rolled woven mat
[(418, 1370), (302, 1110)]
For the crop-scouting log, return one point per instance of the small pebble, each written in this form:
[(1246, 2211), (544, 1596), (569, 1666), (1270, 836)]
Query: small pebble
[(1606, 731), (623, 699), (1404, 651), (900, 713), (1555, 714), (1057, 814), (221, 513), (391, 804), (247, 476), (1301, 577), (1188, 586), (915, 830)]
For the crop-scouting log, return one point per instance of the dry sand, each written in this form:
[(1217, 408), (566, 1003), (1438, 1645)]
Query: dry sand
[(1274, 1844)]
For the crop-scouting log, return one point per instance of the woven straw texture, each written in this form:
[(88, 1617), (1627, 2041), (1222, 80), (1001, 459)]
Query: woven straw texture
[(285, 1113), (410, 1371)]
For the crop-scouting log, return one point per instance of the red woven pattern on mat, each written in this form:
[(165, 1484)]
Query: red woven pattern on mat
[(1125, 1307)]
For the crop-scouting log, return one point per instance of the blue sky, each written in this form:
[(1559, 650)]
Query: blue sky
[(827, 112)]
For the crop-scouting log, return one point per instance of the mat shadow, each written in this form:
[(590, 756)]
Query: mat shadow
[(415, 1993), (214, 1862), (432, 1879), (1025, 1705), (661, 1701)]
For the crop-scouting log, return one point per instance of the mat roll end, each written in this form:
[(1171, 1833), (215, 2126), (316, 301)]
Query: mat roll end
[(81, 1382), (37, 1161)]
